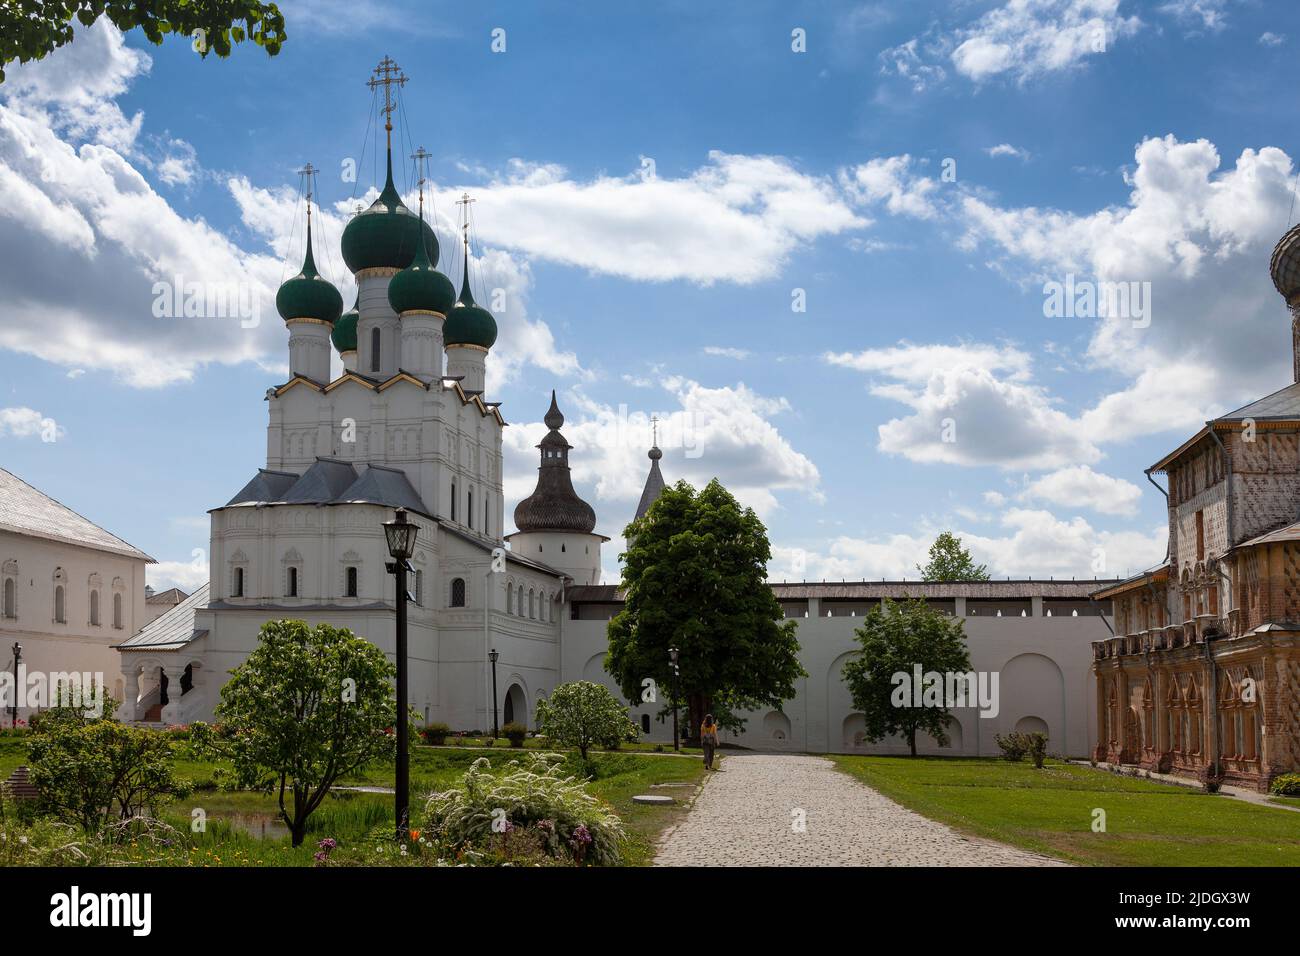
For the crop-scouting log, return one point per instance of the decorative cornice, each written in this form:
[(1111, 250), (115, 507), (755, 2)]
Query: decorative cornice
[(436, 315), (466, 345), (309, 321), (377, 272)]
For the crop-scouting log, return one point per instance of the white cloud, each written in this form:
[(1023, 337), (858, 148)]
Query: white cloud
[(1006, 149), (736, 219), (1081, 487), (179, 165), (19, 421), (705, 432), (1268, 38), (914, 63), (189, 576), (1209, 14), (722, 351), (893, 181)]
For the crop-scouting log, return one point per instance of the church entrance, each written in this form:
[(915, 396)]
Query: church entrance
[(516, 709)]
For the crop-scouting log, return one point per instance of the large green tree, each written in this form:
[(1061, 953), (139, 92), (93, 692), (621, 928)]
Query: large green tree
[(695, 577), (29, 29), (949, 561), (896, 639), (308, 706)]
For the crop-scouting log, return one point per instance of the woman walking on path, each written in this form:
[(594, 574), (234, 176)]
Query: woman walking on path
[(709, 740)]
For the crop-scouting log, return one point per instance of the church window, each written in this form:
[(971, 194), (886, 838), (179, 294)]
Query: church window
[(562, 549), (486, 529), (510, 598), (1200, 536), (238, 590), (469, 508), (453, 501), (11, 599), (532, 607), (117, 611), (292, 589), (457, 592), (94, 608), (419, 588), (352, 582), (374, 350), (58, 605)]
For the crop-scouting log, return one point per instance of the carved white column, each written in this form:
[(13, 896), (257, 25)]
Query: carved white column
[(130, 693), (171, 714)]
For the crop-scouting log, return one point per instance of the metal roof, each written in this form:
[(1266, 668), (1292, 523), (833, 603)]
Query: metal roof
[(25, 510), (172, 629), (331, 481), (875, 590)]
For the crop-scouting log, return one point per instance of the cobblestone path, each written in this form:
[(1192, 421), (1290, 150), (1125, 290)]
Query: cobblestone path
[(748, 815)]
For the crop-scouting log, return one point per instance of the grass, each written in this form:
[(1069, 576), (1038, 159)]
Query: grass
[(1051, 811)]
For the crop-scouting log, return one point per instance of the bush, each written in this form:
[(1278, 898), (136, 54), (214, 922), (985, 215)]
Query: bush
[(435, 734), (1037, 747), (1014, 746), (1287, 785), (514, 732), (582, 714), (563, 819), (1211, 778)]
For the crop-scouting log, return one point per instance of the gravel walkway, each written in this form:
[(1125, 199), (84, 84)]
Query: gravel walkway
[(746, 816)]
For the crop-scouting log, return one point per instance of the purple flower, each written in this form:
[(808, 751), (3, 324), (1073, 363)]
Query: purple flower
[(581, 835), (327, 844)]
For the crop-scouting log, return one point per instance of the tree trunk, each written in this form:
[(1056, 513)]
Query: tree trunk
[(911, 740), (299, 831), (697, 705)]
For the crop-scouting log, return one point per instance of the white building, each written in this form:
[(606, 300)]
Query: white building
[(69, 590)]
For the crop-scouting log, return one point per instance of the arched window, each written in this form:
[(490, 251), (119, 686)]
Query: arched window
[(532, 606), (11, 599), (292, 588), (374, 350), (486, 523), (351, 579), (453, 501), (58, 605), (510, 598), (469, 508), (419, 588), (239, 583), (117, 611), (457, 592), (94, 608)]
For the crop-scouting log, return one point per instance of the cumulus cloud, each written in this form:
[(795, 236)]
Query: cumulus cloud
[(893, 182), (722, 351), (727, 432), (186, 575), (19, 421), (1081, 487), (1006, 149), (1021, 39)]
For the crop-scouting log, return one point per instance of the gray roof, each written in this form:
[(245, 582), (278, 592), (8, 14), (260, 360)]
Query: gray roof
[(654, 484), (875, 590), (1282, 404), (1290, 532), (170, 596), (25, 510), (172, 629), (330, 481)]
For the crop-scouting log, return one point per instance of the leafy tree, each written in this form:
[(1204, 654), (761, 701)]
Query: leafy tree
[(582, 714), (308, 706), (90, 770), (29, 29), (895, 638), (695, 577), (949, 561)]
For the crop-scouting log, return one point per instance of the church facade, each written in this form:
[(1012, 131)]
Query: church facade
[(1202, 676)]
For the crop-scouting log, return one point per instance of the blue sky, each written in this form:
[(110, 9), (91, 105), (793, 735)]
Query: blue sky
[(1104, 139)]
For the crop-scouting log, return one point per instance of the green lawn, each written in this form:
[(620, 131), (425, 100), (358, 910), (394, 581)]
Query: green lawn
[(1051, 811)]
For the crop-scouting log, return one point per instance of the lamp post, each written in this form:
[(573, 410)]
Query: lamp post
[(492, 656), (677, 737), (401, 545), (13, 709)]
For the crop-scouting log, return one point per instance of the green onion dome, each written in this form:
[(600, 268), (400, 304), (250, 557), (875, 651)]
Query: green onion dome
[(308, 295), (387, 235), (467, 323), (421, 287), (345, 329)]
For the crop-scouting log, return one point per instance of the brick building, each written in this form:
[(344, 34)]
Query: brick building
[(1204, 667)]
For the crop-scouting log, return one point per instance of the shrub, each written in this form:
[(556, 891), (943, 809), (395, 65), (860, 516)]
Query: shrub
[(435, 734), (515, 732), (1036, 744), (1287, 785), (582, 714), (569, 824), (1211, 778), (1014, 746)]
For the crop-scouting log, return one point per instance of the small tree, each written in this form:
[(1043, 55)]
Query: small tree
[(90, 770), (583, 715), (949, 561), (308, 706), (895, 638)]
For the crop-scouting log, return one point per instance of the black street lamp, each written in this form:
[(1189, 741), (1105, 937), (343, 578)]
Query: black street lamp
[(13, 710), (672, 657), (401, 545), (492, 656)]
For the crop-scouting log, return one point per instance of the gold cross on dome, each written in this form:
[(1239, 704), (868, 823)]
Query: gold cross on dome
[(387, 73), (309, 173)]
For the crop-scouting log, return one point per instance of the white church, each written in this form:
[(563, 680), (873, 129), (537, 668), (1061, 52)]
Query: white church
[(407, 424)]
